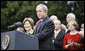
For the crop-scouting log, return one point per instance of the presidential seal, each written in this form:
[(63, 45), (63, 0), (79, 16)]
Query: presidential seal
[(5, 42)]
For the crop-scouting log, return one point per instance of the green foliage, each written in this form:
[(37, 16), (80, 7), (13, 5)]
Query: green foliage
[(15, 11)]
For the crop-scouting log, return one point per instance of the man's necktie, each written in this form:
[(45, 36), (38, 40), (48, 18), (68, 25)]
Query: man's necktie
[(55, 35), (39, 23)]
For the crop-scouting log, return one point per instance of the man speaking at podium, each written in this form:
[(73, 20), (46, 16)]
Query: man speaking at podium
[(44, 28)]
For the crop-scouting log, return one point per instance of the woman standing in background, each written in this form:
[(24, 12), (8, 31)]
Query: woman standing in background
[(72, 39)]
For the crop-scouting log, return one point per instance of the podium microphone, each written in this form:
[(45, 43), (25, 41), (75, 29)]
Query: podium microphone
[(15, 25)]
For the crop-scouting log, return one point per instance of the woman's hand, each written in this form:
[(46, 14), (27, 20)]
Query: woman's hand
[(76, 44), (68, 45)]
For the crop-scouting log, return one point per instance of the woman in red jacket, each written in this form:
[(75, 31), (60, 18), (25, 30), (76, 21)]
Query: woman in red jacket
[(72, 39)]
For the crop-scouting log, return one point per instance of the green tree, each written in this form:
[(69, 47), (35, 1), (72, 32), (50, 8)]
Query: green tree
[(15, 11)]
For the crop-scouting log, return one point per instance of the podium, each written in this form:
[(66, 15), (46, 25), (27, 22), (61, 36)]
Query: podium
[(16, 40)]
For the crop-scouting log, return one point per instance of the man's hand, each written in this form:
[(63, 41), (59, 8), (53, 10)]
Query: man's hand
[(63, 27)]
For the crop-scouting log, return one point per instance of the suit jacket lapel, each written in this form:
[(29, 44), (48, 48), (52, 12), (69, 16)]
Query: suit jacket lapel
[(59, 35), (42, 23), (36, 29)]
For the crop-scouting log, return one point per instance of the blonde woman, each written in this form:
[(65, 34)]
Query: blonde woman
[(28, 25), (72, 39)]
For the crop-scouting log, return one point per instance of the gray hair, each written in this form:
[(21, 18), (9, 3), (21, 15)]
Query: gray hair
[(53, 17), (43, 6), (72, 16), (57, 21)]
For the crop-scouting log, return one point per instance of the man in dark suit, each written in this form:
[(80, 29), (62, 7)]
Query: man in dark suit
[(44, 28), (58, 36)]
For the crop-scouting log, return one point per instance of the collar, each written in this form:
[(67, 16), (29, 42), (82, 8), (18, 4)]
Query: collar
[(43, 18), (57, 31)]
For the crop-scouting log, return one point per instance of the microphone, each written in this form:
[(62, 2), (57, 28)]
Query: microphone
[(15, 25), (18, 24)]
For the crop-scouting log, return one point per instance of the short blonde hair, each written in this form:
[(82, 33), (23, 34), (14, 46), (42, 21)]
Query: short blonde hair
[(72, 16), (30, 21), (74, 23)]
